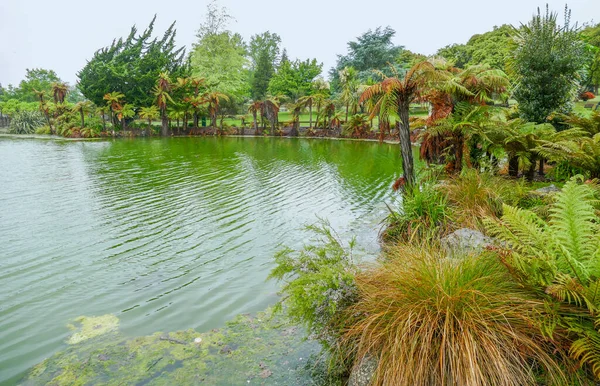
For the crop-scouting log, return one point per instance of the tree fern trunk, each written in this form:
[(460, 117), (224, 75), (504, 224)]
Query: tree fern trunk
[(405, 145), (513, 166)]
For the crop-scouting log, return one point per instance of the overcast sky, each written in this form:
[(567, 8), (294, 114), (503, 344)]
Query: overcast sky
[(63, 34)]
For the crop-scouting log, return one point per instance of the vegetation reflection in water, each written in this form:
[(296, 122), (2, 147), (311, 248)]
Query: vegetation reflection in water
[(166, 234)]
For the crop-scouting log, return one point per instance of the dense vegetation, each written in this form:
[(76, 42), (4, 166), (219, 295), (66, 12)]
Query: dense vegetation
[(523, 309)]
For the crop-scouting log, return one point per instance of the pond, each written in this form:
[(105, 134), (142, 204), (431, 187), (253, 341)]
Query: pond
[(166, 234)]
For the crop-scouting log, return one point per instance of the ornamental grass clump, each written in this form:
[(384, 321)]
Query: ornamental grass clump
[(429, 320), (473, 196)]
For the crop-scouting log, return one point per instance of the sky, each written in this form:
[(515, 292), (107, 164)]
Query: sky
[(63, 34)]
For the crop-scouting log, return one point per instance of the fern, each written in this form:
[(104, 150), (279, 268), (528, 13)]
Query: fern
[(562, 259)]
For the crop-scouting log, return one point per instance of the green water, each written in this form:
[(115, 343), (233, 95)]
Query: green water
[(166, 234)]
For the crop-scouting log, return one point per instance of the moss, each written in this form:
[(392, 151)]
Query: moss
[(261, 349), (88, 327)]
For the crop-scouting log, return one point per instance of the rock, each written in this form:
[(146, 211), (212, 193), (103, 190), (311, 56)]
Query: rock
[(465, 241), (551, 189), (362, 375)]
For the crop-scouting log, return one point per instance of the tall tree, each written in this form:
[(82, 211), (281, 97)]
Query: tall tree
[(36, 79), (373, 50), (493, 48), (263, 52), (219, 55), (294, 79), (546, 64), (132, 65)]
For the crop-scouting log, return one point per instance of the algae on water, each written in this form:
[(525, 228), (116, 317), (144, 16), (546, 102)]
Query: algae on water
[(88, 327), (260, 350)]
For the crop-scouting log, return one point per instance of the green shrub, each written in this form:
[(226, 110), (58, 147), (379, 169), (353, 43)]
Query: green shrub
[(318, 284), (44, 130), (429, 320), (423, 214), (25, 122), (560, 259)]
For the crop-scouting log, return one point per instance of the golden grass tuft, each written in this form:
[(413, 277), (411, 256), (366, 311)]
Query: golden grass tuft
[(438, 321)]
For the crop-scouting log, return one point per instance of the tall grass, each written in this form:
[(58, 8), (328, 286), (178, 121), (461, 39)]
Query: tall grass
[(433, 321), (473, 196)]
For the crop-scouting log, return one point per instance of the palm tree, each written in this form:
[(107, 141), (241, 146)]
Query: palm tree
[(44, 107), (113, 101), (271, 108), (83, 108), (296, 110), (309, 101), (161, 92), (254, 108), (213, 99), (394, 96), (126, 111), (101, 110), (150, 113), (349, 94), (59, 91)]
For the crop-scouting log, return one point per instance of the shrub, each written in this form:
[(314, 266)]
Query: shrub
[(587, 96), (44, 130), (423, 214), (561, 260), (436, 321), (25, 122), (318, 286)]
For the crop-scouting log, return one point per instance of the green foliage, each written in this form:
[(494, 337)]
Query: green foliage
[(220, 59), (295, 79), (430, 320), (318, 282), (591, 36), (373, 50), (131, 66), (35, 79), (492, 48), (423, 214), (546, 64), (560, 259), (25, 122)]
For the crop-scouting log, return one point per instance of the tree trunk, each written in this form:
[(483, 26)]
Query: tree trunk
[(165, 125), (104, 122), (82, 118), (255, 123), (347, 106), (195, 120), (541, 170), (530, 174), (310, 113), (513, 166), (185, 121), (405, 145), (458, 152)]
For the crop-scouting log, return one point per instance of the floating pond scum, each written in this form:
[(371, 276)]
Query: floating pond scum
[(265, 349)]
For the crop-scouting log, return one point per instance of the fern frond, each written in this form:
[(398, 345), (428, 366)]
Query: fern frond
[(575, 230)]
